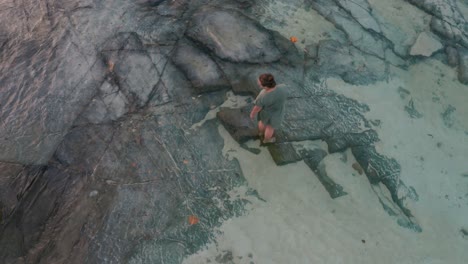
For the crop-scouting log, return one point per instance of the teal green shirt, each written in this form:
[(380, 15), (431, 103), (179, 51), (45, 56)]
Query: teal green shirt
[(272, 104)]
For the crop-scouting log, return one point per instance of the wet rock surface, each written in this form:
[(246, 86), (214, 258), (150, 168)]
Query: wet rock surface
[(426, 44), (463, 65), (232, 36), (313, 159), (447, 21), (349, 63), (238, 123), (202, 72), (98, 161), (283, 153)]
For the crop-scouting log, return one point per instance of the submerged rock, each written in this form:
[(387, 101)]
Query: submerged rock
[(447, 14), (283, 153), (411, 110), (426, 44), (355, 32), (377, 167), (313, 157), (447, 116), (334, 189), (238, 123), (463, 65), (358, 168), (339, 143), (362, 12), (349, 63), (464, 233), (452, 56), (246, 85)]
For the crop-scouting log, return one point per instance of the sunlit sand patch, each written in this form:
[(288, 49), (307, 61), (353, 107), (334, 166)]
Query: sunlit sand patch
[(431, 150), (300, 223)]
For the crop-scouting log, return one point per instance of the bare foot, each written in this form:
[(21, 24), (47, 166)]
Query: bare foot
[(271, 140)]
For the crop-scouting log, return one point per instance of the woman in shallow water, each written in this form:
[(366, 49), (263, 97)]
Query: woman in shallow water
[(269, 105)]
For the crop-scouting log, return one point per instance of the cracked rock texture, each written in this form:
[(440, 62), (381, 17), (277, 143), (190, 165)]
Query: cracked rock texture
[(98, 161), (426, 44)]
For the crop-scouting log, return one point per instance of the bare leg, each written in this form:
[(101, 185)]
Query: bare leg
[(261, 128), (269, 131)]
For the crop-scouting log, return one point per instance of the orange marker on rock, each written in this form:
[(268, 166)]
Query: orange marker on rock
[(293, 39), (193, 220), (111, 65)]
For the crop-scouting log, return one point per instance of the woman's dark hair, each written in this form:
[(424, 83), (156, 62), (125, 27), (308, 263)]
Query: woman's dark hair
[(267, 80)]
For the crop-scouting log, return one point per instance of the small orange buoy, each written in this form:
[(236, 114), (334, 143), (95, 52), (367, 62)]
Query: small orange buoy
[(293, 39), (193, 220)]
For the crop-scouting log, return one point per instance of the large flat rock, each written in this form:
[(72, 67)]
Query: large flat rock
[(354, 31), (131, 66), (362, 12), (238, 123), (199, 68), (233, 36), (426, 44)]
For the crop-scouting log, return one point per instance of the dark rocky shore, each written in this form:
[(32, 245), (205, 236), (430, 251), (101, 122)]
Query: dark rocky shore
[(98, 163)]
